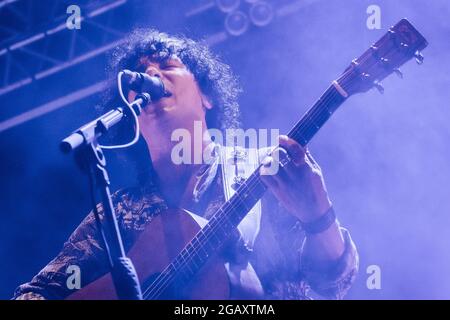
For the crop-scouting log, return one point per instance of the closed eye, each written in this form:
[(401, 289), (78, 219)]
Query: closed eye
[(169, 66)]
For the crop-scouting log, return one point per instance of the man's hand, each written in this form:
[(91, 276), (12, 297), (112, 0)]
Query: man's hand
[(300, 188), (298, 185)]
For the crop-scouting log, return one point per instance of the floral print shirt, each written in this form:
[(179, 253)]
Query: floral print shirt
[(284, 272)]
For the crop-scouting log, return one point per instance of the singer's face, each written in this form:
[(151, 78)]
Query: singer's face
[(186, 103)]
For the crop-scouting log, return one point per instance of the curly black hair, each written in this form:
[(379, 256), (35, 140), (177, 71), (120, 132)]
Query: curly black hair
[(214, 78)]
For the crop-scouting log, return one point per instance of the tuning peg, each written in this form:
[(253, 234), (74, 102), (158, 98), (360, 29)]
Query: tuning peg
[(419, 57), (379, 87), (398, 73)]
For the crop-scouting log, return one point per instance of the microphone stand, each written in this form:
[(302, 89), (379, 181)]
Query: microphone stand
[(90, 158)]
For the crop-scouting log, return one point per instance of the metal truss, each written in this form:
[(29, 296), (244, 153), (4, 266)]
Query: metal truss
[(35, 41), (36, 45)]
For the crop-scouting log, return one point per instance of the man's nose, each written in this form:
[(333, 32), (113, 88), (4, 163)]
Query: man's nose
[(153, 71)]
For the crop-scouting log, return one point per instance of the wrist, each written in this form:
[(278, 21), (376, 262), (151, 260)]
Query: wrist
[(320, 223)]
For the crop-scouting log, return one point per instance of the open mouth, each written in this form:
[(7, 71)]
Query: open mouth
[(159, 98), (159, 105)]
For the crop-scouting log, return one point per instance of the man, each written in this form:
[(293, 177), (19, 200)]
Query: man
[(292, 244)]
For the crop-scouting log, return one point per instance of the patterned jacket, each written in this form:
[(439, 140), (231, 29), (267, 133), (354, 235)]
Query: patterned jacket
[(276, 255)]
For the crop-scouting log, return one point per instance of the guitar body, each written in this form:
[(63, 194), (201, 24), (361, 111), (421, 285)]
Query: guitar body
[(161, 241)]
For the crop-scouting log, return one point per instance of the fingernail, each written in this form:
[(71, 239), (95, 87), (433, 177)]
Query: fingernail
[(267, 161), (283, 138)]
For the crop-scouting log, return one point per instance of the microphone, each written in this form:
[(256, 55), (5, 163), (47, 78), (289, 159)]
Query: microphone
[(143, 83)]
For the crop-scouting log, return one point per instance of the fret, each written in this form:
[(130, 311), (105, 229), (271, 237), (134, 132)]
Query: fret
[(200, 246), (187, 267), (203, 235), (317, 116), (239, 205), (171, 267), (223, 221), (322, 116), (253, 195), (246, 197), (180, 258), (185, 260), (300, 139), (213, 238), (174, 268)]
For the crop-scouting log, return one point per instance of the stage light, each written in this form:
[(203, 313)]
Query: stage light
[(236, 23), (261, 13), (228, 5)]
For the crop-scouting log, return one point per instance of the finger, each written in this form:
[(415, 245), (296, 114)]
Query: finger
[(269, 181), (294, 149), (273, 172), (297, 169), (300, 155), (267, 176), (312, 162), (272, 181)]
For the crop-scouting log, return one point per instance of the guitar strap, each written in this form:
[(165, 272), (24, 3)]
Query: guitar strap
[(237, 165)]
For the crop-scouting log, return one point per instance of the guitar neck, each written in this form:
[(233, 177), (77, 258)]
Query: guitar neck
[(224, 222), (317, 115)]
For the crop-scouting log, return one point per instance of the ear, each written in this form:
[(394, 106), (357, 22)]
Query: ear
[(206, 102)]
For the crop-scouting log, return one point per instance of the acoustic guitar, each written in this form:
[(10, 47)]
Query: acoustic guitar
[(178, 253)]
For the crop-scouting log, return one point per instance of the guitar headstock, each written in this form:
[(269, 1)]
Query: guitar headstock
[(401, 43)]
